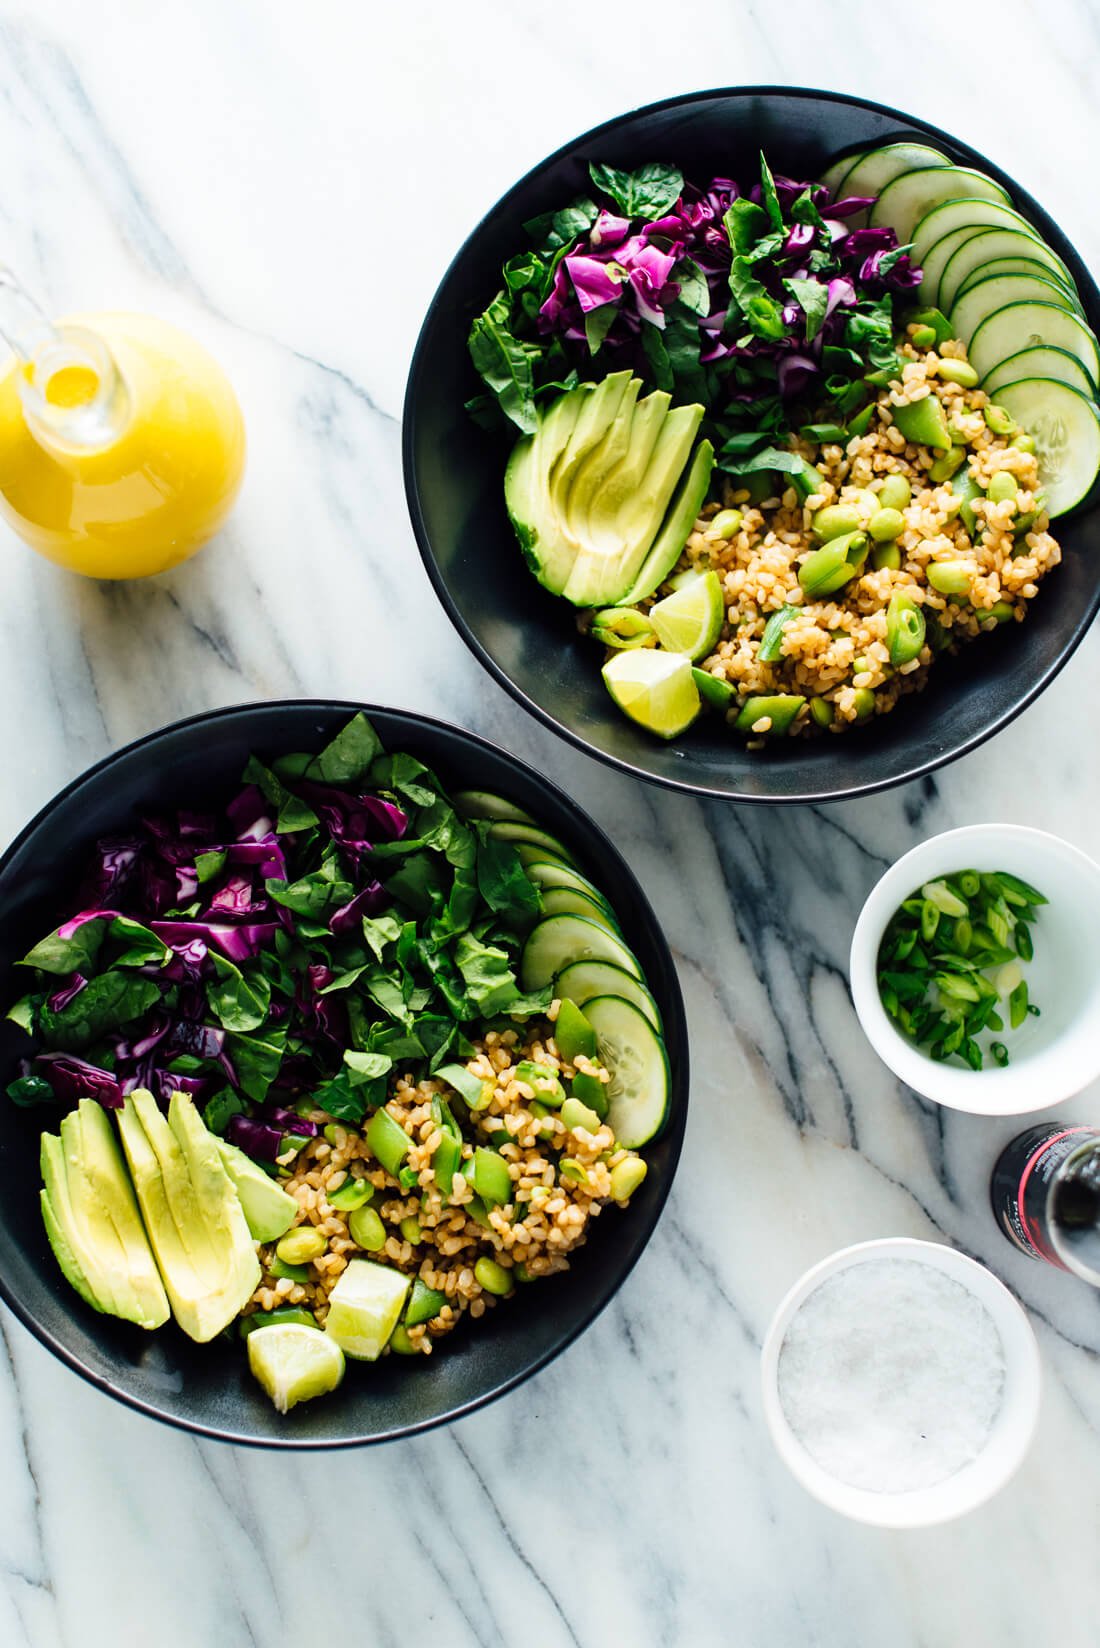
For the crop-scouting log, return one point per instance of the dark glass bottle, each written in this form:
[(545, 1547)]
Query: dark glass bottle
[(1046, 1196)]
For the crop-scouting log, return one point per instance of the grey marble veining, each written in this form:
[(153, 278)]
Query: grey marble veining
[(289, 183)]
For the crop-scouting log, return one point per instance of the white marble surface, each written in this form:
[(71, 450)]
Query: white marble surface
[(263, 172)]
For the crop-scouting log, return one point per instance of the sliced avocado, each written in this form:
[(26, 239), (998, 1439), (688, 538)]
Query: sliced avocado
[(623, 481), (527, 494), (598, 413), (591, 475), (601, 578), (192, 1212), (139, 1291), (669, 543), (270, 1211)]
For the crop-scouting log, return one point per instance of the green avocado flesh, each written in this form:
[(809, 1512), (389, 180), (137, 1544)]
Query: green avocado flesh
[(269, 1211), (606, 488), (192, 1212), (92, 1220)]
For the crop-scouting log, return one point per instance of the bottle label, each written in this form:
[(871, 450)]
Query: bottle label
[(1022, 1180)]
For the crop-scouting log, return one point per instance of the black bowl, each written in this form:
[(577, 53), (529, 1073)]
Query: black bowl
[(209, 1388), (527, 638)]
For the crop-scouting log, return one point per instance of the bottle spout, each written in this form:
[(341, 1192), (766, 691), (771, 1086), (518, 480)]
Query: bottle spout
[(72, 392)]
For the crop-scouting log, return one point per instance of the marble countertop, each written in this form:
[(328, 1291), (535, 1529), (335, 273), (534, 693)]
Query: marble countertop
[(262, 172)]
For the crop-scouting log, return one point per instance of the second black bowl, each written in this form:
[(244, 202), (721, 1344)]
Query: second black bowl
[(528, 639), (208, 1388)]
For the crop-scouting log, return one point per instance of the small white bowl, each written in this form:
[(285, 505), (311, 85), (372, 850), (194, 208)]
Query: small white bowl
[(1052, 1057), (1013, 1428)]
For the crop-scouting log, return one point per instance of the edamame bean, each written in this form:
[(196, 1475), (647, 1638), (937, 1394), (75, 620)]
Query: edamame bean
[(1001, 612), (367, 1230), (401, 1343), (726, 523), (574, 1114), (886, 524), (1023, 442), (1000, 421), (895, 493), (626, 1176), (958, 371), (886, 555), (822, 711), (947, 464), (493, 1277), (299, 1246), (572, 1171), (410, 1230), (923, 337), (950, 577), (863, 703), (835, 521), (904, 628), (923, 422), (352, 1193), (332, 1131), (1002, 487)]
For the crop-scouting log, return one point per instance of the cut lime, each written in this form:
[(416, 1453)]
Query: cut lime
[(364, 1308), (690, 619), (655, 689), (293, 1362)]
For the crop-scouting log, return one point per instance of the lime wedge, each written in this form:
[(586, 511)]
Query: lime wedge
[(293, 1362), (654, 688), (364, 1308), (690, 619)]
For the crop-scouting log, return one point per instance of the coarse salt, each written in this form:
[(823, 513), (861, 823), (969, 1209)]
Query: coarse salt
[(891, 1375)]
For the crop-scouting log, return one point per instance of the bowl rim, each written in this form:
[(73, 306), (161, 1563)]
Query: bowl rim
[(916, 1508), (419, 368), (1017, 1089), (649, 1213)]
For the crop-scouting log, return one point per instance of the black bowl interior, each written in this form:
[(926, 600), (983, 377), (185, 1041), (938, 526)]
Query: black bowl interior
[(209, 1388), (527, 638)]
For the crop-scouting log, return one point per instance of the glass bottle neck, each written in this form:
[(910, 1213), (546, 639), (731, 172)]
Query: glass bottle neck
[(74, 397)]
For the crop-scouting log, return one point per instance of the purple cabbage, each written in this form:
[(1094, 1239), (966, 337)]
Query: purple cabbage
[(116, 857), (73, 1079), (238, 944), (258, 1139), (370, 902), (67, 993)]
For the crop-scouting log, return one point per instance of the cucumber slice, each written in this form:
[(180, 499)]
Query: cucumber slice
[(981, 246), (530, 835), (529, 854), (1040, 362), (551, 872), (872, 174), (1023, 326), (484, 804), (910, 197), (834, 175), (998, 292), (630, 1048), (1021, 266), (570, 901), (558, 940), (936, 259), (1065, 426), (582, 980), (969, 213)]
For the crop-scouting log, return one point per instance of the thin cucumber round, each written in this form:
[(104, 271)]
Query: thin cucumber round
[(910, 197), (985, 298), (558, 940), (1021, 266), (936, 259), (484, 804), (872, 174), (1040, 362), (833, 176), (529, 854), (1023, 326), (640, 1087), (969, 213), (1065, 426), (551, 872), (558, 901), (531, 835), (980, 246), (582, 980)]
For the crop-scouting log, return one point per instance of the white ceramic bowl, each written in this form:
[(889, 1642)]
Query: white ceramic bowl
[(1052, 1057), (1013, 1427)]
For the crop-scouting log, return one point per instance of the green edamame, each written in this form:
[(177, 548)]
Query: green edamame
[(1000, 421), (626, 1176), (493, 1277), (301, 1245), (923, 422), (835, 521), (923, 337), (886, 555), (948, 464), (1001, 612), (863, 703), (821, 710), (895, 493), (950, 577), (958, 371), (1002, 487), (401, 1343), (352, 1193), (410, 1230), (835, 564), (367, 1230), (726, 523), (1023, 442), (905, 628), (574, 1114), (886, 524)]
